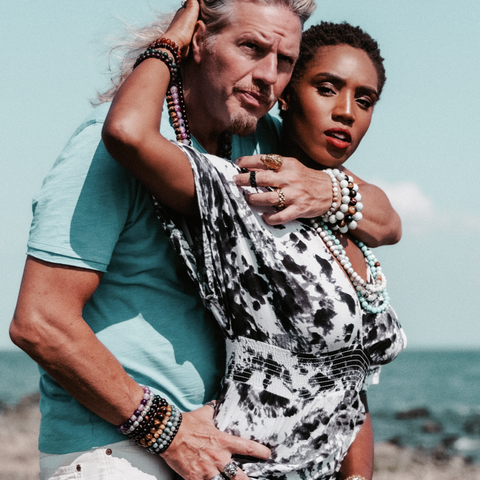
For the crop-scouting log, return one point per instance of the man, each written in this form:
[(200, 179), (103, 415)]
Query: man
[(104, 305)]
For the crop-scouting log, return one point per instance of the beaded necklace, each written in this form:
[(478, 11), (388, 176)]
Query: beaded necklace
[(369, 294), (179, 121), (175, 98)]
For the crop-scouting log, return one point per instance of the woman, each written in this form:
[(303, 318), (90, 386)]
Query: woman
[(300, 341)]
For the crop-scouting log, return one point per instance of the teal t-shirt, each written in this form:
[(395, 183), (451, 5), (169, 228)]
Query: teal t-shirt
[(91, 213)]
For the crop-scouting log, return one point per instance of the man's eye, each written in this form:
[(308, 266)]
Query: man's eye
[(250, 45), (284, 58)]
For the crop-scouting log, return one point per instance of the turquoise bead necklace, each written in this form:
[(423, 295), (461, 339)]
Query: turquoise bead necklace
[(373, 296)]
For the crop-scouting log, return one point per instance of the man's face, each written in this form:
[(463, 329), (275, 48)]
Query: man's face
[(248, 65)]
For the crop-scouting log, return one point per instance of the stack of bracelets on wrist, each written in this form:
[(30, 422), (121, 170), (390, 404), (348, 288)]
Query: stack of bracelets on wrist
[(154, 423), (175, 100), (333, 207), (348, 215)]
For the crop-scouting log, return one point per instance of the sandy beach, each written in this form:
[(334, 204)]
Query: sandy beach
[(19, 455)]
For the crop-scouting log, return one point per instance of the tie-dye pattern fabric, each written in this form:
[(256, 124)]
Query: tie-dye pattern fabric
[(299, 346)]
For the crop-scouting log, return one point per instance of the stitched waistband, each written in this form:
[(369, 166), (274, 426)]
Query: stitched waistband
[(260, 364)]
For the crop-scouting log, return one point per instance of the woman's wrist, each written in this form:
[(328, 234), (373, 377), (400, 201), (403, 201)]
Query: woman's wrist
[(344, 213)]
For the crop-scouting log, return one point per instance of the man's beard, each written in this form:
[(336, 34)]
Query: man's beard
[(242, 123)]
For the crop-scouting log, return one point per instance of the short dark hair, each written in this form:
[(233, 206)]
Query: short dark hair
[(331, 34)]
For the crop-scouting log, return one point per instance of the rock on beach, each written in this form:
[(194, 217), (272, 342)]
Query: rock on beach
[(19, 428)]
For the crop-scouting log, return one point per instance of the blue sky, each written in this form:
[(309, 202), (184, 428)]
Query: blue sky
[(422, 147)]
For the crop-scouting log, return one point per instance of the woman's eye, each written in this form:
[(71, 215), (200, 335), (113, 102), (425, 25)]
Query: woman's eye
[(325, 90), (365, 103)]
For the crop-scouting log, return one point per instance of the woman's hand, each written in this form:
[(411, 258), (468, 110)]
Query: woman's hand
[(183, 25)]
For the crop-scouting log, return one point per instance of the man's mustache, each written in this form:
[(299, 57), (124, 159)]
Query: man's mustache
[(264, 94)]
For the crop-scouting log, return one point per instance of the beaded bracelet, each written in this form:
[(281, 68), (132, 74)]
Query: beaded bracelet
[(138, 416), (348, 215), (152, 52), (169, 45), (154, 423), (334, 205), (163, 56), (175, 99)]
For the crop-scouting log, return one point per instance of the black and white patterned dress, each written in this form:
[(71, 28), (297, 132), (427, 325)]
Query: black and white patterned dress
[(299, 346)]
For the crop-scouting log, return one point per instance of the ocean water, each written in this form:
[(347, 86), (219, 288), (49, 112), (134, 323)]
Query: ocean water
[(445, 385)]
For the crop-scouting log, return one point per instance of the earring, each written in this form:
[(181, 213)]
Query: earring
[(284, 107)]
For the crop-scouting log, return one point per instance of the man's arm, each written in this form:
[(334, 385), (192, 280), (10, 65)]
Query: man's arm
[(308, 194), (48, 325), (359, 458)]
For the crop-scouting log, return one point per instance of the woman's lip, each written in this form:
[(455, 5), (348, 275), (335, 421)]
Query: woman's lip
[(338, 137)]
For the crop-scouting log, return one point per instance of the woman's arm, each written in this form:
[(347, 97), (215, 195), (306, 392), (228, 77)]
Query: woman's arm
[(131, 135), (381, 224), (359, 458), (131, 130), (308, 194)]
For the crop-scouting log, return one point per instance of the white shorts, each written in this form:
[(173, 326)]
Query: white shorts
[(117, 461)]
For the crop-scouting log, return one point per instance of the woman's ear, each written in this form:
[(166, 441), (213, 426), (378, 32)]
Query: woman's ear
[(283, 102), (198, 41)]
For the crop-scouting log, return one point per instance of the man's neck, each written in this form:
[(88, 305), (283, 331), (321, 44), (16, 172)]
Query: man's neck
[(201, 124)]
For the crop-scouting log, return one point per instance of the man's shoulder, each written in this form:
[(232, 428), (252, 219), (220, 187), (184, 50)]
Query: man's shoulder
[(95, 117), (270, 121), (269, 128), (84, 149), (265, 139)]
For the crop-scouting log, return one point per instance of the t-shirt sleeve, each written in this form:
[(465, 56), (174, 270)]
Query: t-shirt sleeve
[(82, 206)]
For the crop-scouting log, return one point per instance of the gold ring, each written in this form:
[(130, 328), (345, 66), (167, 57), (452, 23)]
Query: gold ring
[(272, 161), (281, 199)]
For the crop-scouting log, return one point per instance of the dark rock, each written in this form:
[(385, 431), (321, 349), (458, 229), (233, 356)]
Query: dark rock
[(448, 442), (440, 453), (24, 404), (472, 425), (413, 413), (397, 441), (431, 427)]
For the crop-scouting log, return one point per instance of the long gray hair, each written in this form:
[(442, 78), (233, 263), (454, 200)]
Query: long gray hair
[(215, 14)]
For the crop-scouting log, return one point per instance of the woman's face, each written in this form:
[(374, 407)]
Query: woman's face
[(333, 105)]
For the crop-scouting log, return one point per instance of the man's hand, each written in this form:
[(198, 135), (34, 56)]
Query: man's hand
[(200, 451), (308, 192)]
